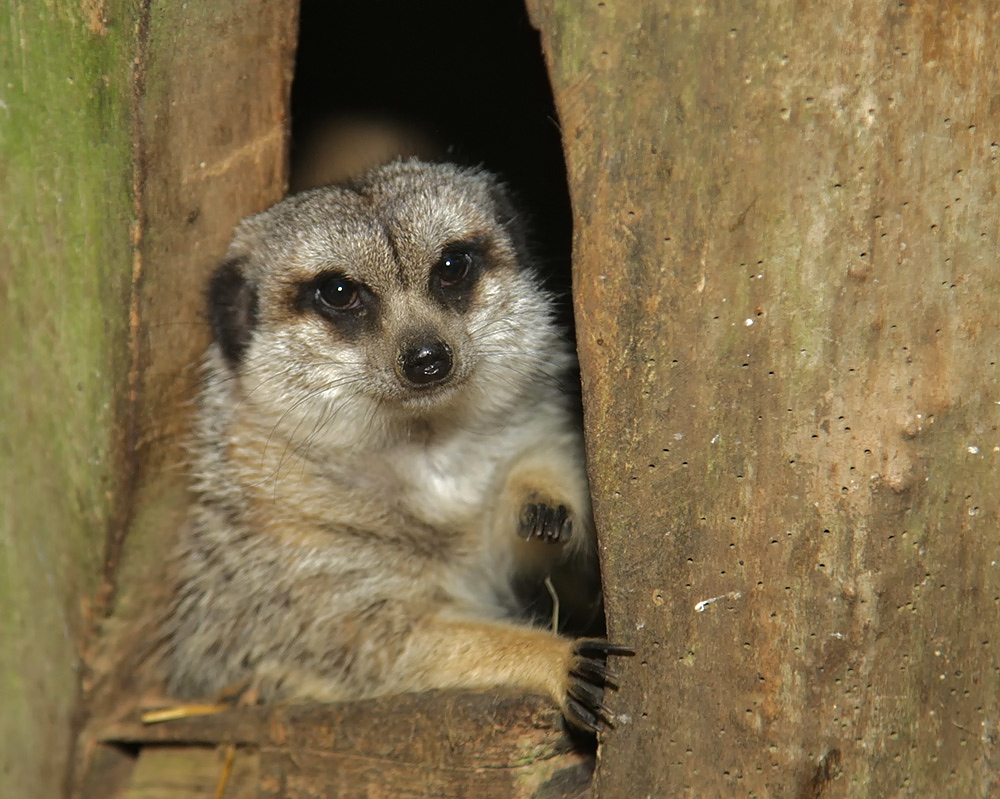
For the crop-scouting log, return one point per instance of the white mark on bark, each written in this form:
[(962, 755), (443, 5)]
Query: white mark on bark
[(700, 607)]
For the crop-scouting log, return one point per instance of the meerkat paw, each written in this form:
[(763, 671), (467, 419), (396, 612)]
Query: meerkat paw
[(554, 525), (589, 676)]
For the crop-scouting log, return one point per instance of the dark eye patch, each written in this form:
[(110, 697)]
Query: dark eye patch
[(345, 303), (454, 276)]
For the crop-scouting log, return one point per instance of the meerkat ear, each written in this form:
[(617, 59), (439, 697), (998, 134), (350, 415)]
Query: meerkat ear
[(232, 309)]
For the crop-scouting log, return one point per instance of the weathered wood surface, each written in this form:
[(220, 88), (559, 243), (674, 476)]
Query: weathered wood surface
[(210, 134), (788, 303), (431, 745), (65, 267), (186, 772), (132, 137)]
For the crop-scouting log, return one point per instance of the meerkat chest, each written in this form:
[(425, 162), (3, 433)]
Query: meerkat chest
[(453, 483)]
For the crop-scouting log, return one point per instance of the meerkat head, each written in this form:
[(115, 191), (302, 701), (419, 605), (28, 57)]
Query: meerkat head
[(407, 292)]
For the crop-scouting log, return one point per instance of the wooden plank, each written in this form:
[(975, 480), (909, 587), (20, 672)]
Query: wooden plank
[(440, 744), (172, 772), (787, 296), (212, 129)]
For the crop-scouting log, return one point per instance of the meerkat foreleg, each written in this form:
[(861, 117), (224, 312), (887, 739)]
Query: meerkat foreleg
[(452, 652), (445, 650)]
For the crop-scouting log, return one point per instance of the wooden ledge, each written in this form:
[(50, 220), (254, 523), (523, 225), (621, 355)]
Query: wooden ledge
[(439, 744)]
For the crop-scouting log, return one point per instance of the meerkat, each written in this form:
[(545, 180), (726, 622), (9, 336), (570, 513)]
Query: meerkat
[(385, 455)]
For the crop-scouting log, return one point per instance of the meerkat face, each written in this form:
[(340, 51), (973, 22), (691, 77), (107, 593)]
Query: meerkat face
[(406, 290)]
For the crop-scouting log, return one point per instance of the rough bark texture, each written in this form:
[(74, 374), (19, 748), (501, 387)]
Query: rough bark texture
[(429, 745), (132, 136), (787, 303)]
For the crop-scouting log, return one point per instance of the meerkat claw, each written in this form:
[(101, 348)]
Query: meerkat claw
[(591, 697), (589, 677), (595, 672), (579, 716), (529, 520), (601, 647), (552, 525)]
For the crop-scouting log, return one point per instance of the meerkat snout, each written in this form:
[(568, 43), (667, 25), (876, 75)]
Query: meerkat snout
[(426, 361)]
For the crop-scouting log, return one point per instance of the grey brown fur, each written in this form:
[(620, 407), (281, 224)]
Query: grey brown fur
[(383, 453)]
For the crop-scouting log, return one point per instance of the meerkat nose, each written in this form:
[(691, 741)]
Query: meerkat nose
[(426, 362)]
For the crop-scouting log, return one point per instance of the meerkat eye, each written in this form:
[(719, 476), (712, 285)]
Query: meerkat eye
[(454, 267), (338, 293), (454, 277)]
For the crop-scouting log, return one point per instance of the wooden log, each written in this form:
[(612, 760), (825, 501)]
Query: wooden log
[(787, 298), (210, 107), (132, 137), (65, 282), (186, 772), (438, 744)]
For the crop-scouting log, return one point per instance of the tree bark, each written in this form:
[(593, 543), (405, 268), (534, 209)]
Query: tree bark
[(133, 135), (786, 227), (66, 206)]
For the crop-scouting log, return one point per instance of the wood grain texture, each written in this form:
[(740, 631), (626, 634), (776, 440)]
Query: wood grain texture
[(65, 282), (173, 772), (787, 303), (210, 100), (438, 744), (132, 137)]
